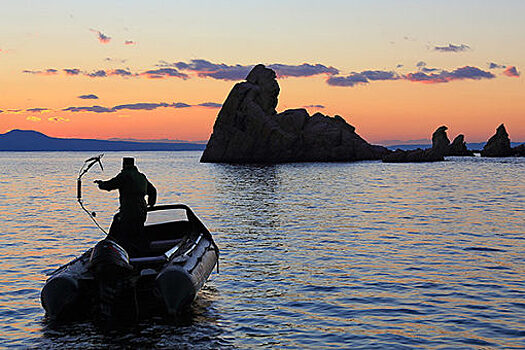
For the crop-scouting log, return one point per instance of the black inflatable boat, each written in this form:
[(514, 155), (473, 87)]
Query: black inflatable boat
[(105, 284)]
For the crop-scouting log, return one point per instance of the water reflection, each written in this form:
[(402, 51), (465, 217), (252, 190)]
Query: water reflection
[(312, 255), (200, 326)]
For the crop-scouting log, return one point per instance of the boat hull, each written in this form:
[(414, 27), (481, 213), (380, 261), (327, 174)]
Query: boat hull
[(156, 285)]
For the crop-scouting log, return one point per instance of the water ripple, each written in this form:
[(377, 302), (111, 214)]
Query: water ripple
[(361, 255)]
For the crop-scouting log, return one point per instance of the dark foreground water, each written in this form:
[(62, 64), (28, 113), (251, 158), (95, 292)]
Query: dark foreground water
[(356, 255)]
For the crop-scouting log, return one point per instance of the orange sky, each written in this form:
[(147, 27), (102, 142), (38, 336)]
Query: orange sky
[(345, 39)]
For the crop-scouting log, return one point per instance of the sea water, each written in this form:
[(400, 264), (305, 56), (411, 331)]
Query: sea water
[(315, 255)]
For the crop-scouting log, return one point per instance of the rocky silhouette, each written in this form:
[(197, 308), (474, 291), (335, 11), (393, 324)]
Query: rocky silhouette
[(440, 148), (498, 145), (458, 147), (519, 151), (249, 130), (29, 140)]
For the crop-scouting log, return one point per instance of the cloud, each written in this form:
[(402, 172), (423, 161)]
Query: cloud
[(463, 73), (349, 80), (421, 64), (72, 71), (129, 42), (117, 60), (400, 65), (164, 73), (140, 106), (98, 74), (95, 109), (58, 119), (180, 105), (511, 72), (221, 71), (210, 105), (121, 72), (493, 65), (1, 111), (88, 97), (102, 38), (315, 106), (303, 70), (452, 48), (232, 73), (364, 77), (428, 70), (50, 71), (33, 119), (37, 110), (205, 68), (380, 75)]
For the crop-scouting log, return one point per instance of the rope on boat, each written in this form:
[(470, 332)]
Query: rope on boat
[(83, 170)]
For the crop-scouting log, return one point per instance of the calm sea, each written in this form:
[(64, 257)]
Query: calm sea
[(340, 255)]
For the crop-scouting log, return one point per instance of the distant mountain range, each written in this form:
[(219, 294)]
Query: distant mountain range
[(29, 140)]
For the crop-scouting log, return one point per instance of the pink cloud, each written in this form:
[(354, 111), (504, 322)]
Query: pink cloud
[(103, 38), (511, 72)]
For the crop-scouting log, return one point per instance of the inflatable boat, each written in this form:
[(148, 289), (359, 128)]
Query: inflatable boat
[(106, 285)]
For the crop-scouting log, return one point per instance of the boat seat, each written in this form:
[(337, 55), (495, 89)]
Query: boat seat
[(147, 260), (164, 244)]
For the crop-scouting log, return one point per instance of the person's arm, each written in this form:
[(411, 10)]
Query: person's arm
[(152, 194), (111, 184)]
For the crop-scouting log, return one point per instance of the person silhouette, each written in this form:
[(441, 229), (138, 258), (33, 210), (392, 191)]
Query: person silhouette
[(127, 228)]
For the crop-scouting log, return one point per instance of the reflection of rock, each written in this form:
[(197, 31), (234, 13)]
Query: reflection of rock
[(440, 147), (458, 147), (498, 145), (248, 129)]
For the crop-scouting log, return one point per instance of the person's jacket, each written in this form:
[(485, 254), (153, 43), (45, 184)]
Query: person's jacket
[(133, 186)]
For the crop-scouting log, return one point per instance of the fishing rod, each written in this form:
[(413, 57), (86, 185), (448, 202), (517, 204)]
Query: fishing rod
[(88, 164)]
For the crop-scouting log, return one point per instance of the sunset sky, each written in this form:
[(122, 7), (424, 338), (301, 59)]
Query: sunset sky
[(396, 70)]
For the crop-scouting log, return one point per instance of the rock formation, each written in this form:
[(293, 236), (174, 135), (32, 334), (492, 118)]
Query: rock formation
[(440, 141), (519, 151), (458, 147), (249, 130), (498, 145), (440, 147)]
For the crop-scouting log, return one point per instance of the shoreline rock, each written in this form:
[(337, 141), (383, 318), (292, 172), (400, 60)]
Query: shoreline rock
[(249, 130), (498, 145), (440, 146), (458, 148)]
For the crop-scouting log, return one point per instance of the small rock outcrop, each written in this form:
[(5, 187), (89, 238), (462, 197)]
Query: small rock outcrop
[(440, 147), (458, 147), (519, 151), (440, 141), (498, 145), (249, 130)]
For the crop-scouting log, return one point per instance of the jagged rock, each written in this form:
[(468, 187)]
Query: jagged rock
[(519, 151), (248, 129), (440, 141), (440, 147), (413, 156), (498, 145), (458, 147)]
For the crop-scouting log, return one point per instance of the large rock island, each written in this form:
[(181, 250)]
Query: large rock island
[(249, 130)]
